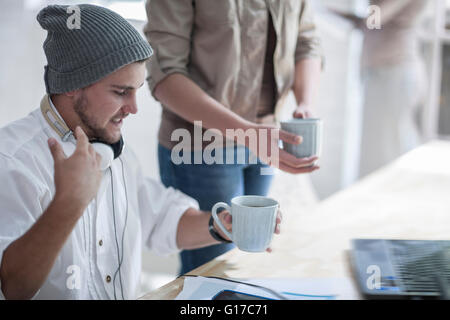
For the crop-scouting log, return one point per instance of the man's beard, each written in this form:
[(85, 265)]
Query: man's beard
[(95, 132)]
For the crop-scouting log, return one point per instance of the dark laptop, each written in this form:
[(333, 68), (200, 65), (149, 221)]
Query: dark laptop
[(402, 269)]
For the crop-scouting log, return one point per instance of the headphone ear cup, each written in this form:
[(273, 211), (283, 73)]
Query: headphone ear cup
[(106, 152)]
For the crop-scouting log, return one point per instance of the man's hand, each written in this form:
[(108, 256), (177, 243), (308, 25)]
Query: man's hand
[(302, 112), (78, 177), (226, 220), (269, 151)]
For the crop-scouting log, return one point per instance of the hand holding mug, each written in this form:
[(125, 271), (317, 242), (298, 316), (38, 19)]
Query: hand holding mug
[(311, 129), (226, 220), (285, 161), (254, 220)]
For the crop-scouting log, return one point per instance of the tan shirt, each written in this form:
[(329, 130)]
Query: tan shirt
[(221, 46), (268, 94)]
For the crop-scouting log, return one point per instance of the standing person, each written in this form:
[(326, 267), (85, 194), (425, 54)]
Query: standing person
[(394, 81), (73, 223), (230, 65)]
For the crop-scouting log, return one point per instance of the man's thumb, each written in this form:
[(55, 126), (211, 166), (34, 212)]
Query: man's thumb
[(56, 150), (299, 114), (290, 137)]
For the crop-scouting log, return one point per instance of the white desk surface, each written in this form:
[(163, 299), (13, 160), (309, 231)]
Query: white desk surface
[(408, 199)]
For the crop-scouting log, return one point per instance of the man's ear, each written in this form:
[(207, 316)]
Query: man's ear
[(72, 94)]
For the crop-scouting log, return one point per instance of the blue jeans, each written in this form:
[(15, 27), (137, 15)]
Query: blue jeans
[(209, 184)]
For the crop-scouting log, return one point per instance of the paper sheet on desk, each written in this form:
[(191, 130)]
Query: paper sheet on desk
[(201, 288)]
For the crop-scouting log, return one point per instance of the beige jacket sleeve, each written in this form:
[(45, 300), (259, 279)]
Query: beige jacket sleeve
[(168, 31), (308, 43)]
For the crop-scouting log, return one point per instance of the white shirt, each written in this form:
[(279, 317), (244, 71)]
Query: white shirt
[(87, 266)]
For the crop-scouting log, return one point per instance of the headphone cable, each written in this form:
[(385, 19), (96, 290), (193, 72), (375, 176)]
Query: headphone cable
[(125, 224), (119, 258)]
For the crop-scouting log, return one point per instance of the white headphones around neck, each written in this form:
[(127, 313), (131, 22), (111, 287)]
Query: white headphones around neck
[(107, 151)]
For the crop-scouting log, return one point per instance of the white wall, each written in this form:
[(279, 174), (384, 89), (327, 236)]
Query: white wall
[(339, 101)]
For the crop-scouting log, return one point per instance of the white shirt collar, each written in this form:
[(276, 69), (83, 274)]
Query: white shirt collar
[(65, 137)]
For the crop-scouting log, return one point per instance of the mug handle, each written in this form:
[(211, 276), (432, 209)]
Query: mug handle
[(216, 218)]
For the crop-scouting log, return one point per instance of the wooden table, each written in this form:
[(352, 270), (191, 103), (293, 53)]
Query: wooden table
[(408, 199)]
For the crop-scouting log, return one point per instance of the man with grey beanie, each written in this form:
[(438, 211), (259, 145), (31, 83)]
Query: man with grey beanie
[(76, 209)]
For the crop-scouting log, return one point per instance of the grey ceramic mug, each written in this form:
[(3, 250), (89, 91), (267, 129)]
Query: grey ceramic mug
[(310, 129), (253, 221)]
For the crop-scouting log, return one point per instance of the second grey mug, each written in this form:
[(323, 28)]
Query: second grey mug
[(310, 129)]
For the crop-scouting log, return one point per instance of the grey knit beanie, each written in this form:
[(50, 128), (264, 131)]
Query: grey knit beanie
[(85, 43)]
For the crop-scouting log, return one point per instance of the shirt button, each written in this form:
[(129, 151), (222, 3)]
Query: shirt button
[(108, 279), (100, 243)]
